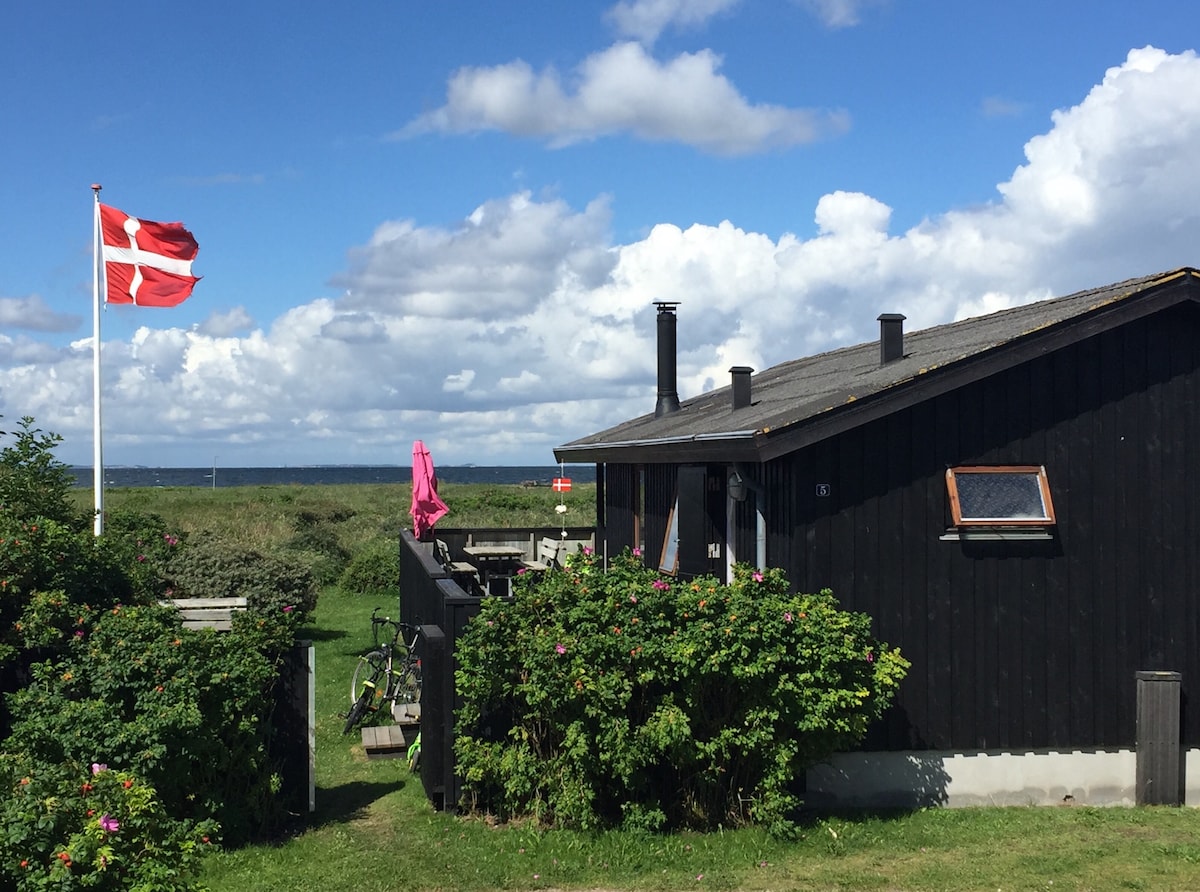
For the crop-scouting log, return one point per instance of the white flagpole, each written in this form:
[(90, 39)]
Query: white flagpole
[(97, 437)]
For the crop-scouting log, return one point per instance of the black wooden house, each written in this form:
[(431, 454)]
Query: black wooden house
[(1014, 499)]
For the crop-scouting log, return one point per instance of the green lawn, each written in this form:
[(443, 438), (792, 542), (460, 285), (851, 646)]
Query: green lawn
[(374, 830)]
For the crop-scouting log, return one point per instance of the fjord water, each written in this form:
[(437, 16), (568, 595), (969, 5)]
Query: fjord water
[(542, 475)]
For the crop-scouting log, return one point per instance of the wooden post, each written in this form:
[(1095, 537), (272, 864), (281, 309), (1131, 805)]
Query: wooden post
[(437, 733), (1158, 755)]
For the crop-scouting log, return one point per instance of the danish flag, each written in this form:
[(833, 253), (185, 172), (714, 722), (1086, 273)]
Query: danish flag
[(146, 263), (561, 484)]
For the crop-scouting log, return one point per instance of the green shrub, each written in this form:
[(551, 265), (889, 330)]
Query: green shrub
[(51, 574), (323, 513), (67, 826), (33, 483), (211, 567), (319, 545), (599, 698), (187, 710), (374, 568)]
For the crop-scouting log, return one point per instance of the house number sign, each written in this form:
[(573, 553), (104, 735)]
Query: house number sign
[(823, 490)]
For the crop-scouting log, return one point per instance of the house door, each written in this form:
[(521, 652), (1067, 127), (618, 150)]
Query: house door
[(701, 521)]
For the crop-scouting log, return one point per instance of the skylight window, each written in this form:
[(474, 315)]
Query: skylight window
[(1000, 496)]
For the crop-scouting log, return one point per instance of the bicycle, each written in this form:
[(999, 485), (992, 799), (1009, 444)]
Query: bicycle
[(389, 673)]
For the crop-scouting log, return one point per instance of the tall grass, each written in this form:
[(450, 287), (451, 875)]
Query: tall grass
[(264, 517)]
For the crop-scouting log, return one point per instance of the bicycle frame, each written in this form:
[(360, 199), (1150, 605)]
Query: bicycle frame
[(384, 676)]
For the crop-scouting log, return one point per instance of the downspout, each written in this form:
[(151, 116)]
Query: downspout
[(760, 516)]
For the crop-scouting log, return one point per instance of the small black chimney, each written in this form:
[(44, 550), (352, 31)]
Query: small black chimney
[(741, 385), (891, 337), (668, 395)]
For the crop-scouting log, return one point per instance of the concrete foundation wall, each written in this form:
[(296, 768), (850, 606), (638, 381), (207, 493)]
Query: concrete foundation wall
[(956, 779)]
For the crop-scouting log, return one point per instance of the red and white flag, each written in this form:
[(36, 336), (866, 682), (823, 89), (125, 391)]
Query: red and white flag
[(561, 484), (146, 263)]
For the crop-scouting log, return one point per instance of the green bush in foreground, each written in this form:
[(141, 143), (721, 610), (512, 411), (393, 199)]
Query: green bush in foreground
[(33, 483), (65, 826), (622, 698), (187, 710), (53, 571)]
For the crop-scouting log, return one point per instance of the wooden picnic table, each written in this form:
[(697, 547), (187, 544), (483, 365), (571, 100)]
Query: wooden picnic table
[(495, 562)]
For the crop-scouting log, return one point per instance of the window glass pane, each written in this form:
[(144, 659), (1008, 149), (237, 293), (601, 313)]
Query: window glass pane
[(1007, 496)]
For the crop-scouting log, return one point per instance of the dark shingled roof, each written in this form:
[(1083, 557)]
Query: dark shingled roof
[(805, 400)]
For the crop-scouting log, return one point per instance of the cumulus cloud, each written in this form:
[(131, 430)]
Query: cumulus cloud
[(355, 328), (526, 325), (32, 313), (645, 20), (624, 90), (221, 325)]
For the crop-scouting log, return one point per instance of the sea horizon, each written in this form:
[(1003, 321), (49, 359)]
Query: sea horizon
[(119, 476)]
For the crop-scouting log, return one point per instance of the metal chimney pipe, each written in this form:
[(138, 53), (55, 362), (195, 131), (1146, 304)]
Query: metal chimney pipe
[(891, 337), (668, 394), (740, 375)]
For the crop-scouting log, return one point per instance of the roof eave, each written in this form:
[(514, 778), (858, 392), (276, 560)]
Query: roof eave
[(724, 446)]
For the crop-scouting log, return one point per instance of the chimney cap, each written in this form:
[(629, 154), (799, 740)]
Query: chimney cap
[(890, 317)]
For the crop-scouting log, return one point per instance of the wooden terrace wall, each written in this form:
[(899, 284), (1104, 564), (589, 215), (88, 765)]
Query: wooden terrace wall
[(429, 598)]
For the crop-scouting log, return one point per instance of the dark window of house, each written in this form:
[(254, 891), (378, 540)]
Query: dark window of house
[(1000, 496), (669, 561)]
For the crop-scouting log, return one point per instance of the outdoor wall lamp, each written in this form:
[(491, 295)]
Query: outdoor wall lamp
[(737, 487)]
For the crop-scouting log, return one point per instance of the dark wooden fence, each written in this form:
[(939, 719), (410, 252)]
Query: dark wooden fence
[(430, 598)]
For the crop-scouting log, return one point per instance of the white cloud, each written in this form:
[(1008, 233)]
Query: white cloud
[(624, 90), (525, 326), (355, 328), (645, 20), (34, 314), (836, 13), (220, 325)]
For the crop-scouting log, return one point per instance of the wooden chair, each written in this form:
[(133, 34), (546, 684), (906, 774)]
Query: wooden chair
[(547, 555), (459, 570)]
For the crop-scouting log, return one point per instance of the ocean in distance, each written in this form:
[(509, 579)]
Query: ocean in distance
[(328, 475)]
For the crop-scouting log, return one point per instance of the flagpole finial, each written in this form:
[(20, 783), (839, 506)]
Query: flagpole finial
[(96, 187)]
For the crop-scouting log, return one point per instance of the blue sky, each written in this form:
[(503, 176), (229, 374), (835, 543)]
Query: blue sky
[(449, 221)]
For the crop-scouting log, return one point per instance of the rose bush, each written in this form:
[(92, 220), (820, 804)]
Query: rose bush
[(596, 698), (67, 826), (188, 710)]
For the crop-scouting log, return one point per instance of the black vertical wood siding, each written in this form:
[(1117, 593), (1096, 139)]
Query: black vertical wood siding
[(1013, 644), (621, 507), (661, 481)]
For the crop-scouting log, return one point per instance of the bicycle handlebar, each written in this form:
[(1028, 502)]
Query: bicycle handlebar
[(400, 627)]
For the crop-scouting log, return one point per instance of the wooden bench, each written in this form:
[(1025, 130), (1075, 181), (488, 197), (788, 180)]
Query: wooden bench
[(207, 613), (455, 568), (547, 555)]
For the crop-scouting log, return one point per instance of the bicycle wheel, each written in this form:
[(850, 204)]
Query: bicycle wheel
[(364, 688), (406, 685)]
